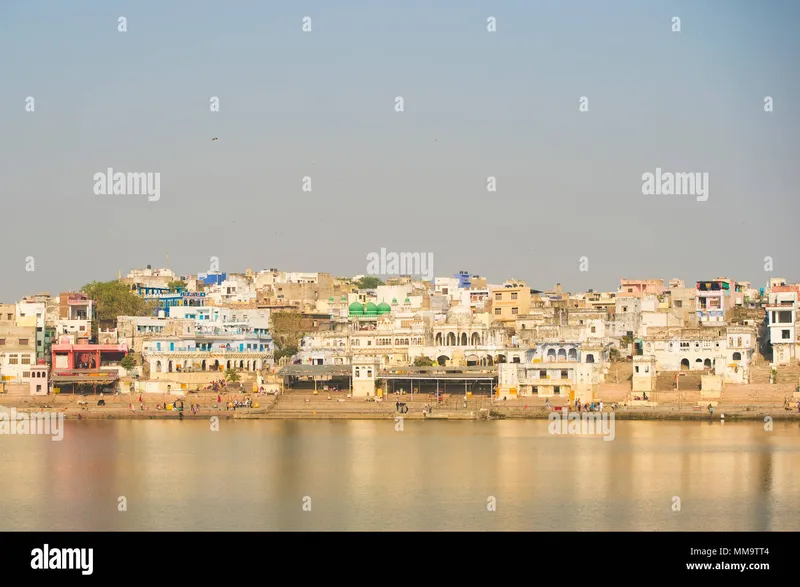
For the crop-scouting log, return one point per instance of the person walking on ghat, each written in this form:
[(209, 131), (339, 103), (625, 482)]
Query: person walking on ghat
[(710, 410)]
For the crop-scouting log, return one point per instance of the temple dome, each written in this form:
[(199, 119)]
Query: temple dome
[(459, 315), (384, 308), (356, 308), (371, 308)]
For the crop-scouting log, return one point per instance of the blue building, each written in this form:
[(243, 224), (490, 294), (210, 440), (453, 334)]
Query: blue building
[(212, 278), (464, 282), (167, 299)]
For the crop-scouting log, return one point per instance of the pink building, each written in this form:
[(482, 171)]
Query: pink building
[(637, 288)]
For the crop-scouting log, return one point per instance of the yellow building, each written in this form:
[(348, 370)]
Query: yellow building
[(510, 301)]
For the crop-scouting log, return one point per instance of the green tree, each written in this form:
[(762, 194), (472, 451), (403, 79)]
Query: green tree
[(368, 283), (231, 375), (112, 299), (423, 362), (176, 285), (128, 362)]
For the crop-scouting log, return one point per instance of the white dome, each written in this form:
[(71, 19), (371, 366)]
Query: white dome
[(459, 315)]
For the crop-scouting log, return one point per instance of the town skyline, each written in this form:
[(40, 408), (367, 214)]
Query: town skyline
[(755, 284)]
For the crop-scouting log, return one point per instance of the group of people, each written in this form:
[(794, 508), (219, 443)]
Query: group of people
[(219, 384), (233, 405)]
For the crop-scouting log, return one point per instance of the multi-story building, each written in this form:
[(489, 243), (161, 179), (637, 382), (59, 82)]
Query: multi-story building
[(510, 301), (17, 346), (726, 351), (713, 300), (782, 318), (75, 315), (203, 339), (32, 311), (166, 299)]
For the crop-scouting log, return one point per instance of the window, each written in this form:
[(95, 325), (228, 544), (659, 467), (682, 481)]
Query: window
[(594, 329), (9, 316), (26, 374), (515, 310), (624, 308), (23, 342), (13, 359), (679, 303), (564, 374), (38, 388), (2, 341), (637, 368), (497, 296), (26, 359), (445, 291), (514, 295), (369, 373), (785, 334), (358, 372), (497, 311), (542, 374)]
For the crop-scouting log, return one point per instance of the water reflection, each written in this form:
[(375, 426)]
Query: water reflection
[(254, 475)]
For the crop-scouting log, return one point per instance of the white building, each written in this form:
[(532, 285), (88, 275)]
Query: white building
[(725, 351), (33, 313), (782, 317)]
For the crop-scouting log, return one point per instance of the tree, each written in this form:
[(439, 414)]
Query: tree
[(113, 299), (614, 354), (287, 332), (128, 362), (368, 283), (423, 362), (231, 375), (176, 285)]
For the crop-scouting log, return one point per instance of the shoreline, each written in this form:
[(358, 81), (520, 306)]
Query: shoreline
[(303, 405), (650, 414)]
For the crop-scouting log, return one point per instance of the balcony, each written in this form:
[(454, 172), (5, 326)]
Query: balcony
[(84, 375)]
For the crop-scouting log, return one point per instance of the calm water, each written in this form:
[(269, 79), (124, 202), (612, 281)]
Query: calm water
[(254, 475)]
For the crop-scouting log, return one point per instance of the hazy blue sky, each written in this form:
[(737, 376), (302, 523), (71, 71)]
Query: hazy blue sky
[(321, 104)]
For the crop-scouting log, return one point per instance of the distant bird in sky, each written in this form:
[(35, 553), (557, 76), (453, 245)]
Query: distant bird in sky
[(214, 139)]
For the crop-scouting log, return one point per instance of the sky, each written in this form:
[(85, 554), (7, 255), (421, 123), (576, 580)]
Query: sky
[(568, 206)]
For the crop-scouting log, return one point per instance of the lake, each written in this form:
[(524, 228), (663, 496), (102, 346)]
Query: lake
[(434, 475)]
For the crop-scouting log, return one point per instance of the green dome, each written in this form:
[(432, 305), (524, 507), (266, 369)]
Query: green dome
[(344, 298), (330, 299), (356, 308), (384, 308), (394, 300), (370, 308), (408, 301)]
